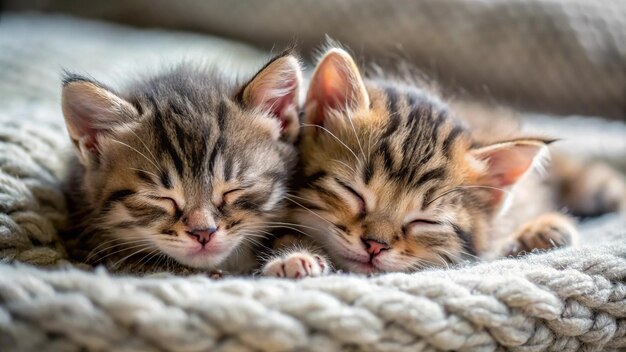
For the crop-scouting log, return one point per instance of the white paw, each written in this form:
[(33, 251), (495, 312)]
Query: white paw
[(296, 265)]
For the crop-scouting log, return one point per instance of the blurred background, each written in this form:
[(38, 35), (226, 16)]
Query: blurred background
[(560, 56), (547, 58)]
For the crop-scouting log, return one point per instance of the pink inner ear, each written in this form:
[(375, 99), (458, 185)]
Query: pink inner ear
[(91, 146), (333, 89), (507, 165), (336, 85), (81, 130), (327, 97), (279, 104)]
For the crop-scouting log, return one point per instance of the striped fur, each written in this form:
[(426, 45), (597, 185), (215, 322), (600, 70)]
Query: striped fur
[(387, 160), (182, 141)]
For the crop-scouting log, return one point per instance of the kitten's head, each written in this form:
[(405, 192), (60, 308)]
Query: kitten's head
[(392, 182), (186, 164)]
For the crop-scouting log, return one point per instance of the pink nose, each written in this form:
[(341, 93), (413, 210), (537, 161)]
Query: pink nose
[(203, 236), (200, 225), (374, 247), (199, 218)]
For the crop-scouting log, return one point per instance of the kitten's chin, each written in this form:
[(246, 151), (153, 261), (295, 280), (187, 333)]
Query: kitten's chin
[(359, 267), (202, 260), (367, 267), (199, 258)]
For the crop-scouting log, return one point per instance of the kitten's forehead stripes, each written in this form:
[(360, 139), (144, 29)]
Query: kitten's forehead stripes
[(394, 118), (145, 177), (416, 123), (368, 171), (201, 155), (228, 169), (165, 146), (176, 142), (165, 179), (217, 148)]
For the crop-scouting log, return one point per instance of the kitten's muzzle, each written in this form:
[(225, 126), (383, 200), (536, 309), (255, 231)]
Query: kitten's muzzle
[(374, 247), (203, 236)]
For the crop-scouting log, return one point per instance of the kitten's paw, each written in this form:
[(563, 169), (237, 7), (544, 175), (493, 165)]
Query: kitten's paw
[(296, 265), (596, 190), (548, 231)]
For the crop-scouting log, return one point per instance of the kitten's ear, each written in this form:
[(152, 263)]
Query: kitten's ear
[(276, 87), (336, 85), (91, 110), (503, 164)]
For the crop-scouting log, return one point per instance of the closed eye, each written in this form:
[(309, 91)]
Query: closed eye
[(357, 195), (230, 195), (423, 222), (170, 203)]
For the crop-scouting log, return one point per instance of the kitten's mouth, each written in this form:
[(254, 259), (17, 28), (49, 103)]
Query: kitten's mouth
[(206, 249), (365, 267)]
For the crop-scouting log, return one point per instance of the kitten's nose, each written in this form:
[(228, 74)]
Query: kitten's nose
[(374, 247), (200, 225), (203, 235), (199, 218)]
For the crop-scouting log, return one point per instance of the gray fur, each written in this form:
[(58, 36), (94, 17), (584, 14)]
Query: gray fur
[(189, 132)]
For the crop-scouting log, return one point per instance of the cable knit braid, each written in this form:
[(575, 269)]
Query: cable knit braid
[(32, 206), (566, 300)]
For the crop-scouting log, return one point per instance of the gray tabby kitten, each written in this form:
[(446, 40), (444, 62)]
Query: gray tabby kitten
[(186, 169)]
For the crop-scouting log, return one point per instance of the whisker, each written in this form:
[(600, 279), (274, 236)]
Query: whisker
[(311, 211), (259, 229), (287, 223), (443, 261), (253, 241), (469, 255), (148, 172), (344, 164), (138, 152), (356, 135), (122, 242), (128, 256), (454, 189), (161, 257), (287, 227), (488, 187), (145, 146), (296, 196), (143, 246), (460, 188), (339, 140), (149, 256)]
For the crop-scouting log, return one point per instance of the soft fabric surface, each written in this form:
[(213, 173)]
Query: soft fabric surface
[(568, 56), (565, 300)]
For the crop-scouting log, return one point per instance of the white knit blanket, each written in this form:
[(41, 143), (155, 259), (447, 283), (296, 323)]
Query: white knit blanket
[(565, 300)]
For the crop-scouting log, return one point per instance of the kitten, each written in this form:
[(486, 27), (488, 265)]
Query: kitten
[(392, 180), (186, 168)]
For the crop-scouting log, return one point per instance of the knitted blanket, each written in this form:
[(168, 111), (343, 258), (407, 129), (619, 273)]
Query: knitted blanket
[(564, 300)]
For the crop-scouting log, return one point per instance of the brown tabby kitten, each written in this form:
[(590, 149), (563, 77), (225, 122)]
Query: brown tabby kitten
[(185, 168), (392, 180)]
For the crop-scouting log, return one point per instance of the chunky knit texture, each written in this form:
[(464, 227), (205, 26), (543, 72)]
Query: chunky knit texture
[(566, 300)]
